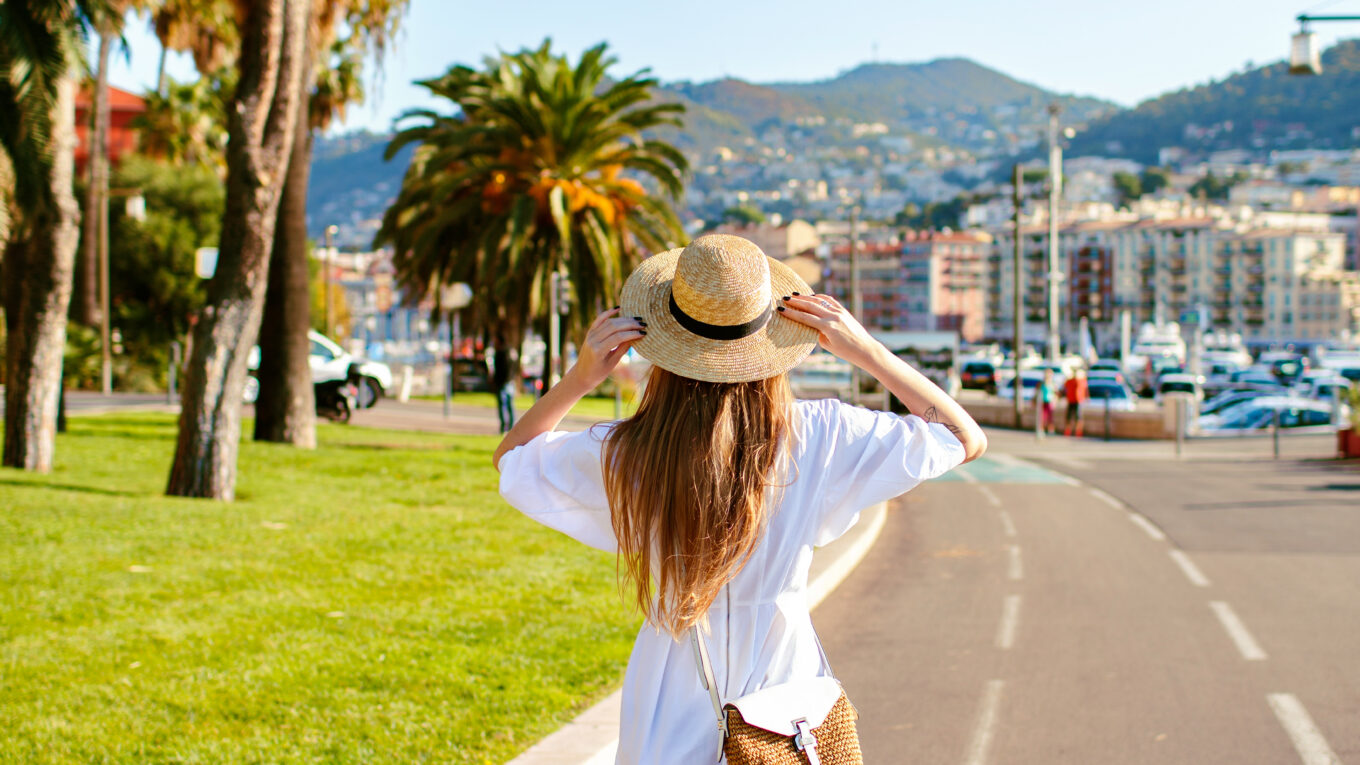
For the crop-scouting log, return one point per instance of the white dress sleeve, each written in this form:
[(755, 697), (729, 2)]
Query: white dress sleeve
[(871, 457), (556, 479)]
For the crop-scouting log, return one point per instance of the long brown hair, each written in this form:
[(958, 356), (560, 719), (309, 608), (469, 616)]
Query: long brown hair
[(686, 478)]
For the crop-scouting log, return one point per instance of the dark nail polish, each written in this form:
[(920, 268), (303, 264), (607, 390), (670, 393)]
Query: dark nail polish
[(616, 308), (643, 323), (795, 293), (786, 297), (642, 331), (637, 318), (781, 307)]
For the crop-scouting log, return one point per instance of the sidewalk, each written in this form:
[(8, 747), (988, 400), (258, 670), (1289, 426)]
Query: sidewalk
[(429, 416)]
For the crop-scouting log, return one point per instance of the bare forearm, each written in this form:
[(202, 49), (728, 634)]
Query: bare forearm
[(544, 415), (925, 399)]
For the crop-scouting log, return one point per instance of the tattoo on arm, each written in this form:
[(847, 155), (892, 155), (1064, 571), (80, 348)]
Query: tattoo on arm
[(933, 415)]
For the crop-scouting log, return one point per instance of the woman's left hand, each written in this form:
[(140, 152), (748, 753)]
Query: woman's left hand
[(608, 339)]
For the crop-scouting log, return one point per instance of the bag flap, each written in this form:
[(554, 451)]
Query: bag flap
[(775, 708)]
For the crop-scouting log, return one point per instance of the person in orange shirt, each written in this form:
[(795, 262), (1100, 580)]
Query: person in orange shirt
[(1076, 392)]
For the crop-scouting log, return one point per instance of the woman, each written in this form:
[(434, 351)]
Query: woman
[(724, 471), (1046, 392)]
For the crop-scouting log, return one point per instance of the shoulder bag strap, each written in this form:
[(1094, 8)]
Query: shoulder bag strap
[(706, 676)]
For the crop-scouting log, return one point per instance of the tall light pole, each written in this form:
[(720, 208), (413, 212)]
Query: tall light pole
[(326, 275), (1017, 297), (1054, 190), (856, 298), (1303, 52)]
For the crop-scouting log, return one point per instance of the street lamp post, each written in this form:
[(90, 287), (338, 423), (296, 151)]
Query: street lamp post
[(1017, 297), (1303, 52), (1054, 191)]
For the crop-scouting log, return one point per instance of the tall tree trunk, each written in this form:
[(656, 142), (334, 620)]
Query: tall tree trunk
[(160, 73), (38, 268), (261, 122), (285, 411), (97, 189)]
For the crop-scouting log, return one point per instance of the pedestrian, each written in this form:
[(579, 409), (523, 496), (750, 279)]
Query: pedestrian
[(502, 383), (715, 493), (1046, 392), (1077, 393)]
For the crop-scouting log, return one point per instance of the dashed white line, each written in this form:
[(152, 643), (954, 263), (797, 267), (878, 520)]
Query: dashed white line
[(1146, 525), (962, 472), (1106, 498), (990, 495), (1308, 740), (1010, 620), (1246, 644), (1015, 572), (985, 727), (1007, 524), (1189, 568)]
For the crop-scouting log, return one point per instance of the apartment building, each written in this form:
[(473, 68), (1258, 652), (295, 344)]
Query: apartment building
[(924, 280), (1269, 284)]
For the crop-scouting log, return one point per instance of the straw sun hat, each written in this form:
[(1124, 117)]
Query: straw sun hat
[(710, 311)]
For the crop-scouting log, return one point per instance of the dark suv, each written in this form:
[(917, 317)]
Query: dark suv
[(978, 374)]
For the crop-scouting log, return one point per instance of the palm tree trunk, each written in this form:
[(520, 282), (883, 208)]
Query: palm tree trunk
[(160, 73), (38, 268), (87, 304), (261, 126), (285, 411)]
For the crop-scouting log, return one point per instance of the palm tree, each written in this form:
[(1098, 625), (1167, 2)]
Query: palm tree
[(40, 62), (261, 121), (537, 170), (186, 124), (285, 408)]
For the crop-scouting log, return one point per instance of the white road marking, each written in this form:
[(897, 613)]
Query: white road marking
[(1106, 498), (1010, 619), (1007, 523), (990, 495), (1146, 525), (1246, 644), (962, 472), (605, 756), (1189, 568), (985, 727), (1015, 572), (1308, 740)]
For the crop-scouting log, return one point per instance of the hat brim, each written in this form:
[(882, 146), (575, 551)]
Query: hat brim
[(773, 350)]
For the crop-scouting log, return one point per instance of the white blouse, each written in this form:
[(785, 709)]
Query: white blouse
[(844, 459)]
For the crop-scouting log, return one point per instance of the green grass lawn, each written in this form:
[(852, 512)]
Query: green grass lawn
[(590, 406), (372, 601)]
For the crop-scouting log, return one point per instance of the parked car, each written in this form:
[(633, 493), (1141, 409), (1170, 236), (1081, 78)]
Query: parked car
[(1260, 413), (1029, 383), (1255, 379), (1179, 383), (1116, 395), (1112, 375), (1227, 399), (1287, 366), (978, 375), (1112, 365), (331, 362)]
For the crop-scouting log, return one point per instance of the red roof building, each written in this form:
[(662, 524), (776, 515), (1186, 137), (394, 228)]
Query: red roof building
[(123, 108)]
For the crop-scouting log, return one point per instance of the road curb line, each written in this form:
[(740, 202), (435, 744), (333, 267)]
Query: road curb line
[(592, 738)]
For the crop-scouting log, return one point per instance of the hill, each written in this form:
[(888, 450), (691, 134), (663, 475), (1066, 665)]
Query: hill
[(1260, 109)]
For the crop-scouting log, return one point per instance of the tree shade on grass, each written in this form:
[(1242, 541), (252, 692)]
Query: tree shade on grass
[(373, 600)]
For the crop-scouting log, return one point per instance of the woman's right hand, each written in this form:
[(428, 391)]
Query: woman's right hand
[(837, 330)]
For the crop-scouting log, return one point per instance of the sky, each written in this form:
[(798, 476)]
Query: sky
[(1120, 51)]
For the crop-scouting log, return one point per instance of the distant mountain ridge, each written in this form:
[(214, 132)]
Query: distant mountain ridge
[(1262, 108)]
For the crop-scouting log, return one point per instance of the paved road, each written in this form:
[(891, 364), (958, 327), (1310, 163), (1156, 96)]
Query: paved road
[(1158, 611)]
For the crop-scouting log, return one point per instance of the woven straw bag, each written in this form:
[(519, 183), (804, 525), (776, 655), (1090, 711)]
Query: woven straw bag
[(808, 721)]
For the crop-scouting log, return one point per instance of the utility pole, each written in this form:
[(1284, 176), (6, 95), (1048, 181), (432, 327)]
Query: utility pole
[(326, 274), (1054, 190), (1017, 296), (856, 300)]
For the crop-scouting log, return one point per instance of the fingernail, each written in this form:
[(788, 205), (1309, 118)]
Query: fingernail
[(638, 318), (643, 323), (643, 331), (782, 307), (786, 297), (615, 308), (795, 293)]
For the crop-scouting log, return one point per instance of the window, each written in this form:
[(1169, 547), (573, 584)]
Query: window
[(320, 350)]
